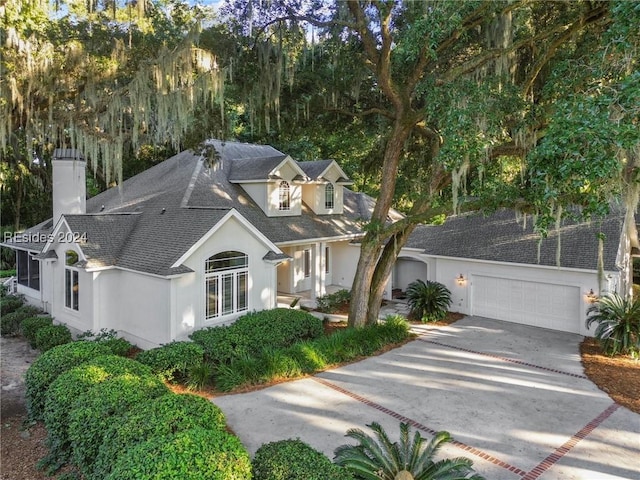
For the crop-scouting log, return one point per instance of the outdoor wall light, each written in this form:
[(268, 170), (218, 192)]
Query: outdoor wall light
[(592, 297), (460, 280)]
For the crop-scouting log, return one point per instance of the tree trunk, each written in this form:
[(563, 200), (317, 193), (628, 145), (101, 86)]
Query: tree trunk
[(372, 243)]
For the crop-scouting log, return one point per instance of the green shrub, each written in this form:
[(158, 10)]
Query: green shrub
[(10, 303), (429, 301), (161, 416), (69, 386), (7, 273), (51, 336), (48, 366), (102, 405), (118, 346), (618, 324), (199, 376), (333, 302), (10, 323), (173, 360), (308, 356), (294, 460), (252, 333), (30, 310), (195, 454), (30, 327)]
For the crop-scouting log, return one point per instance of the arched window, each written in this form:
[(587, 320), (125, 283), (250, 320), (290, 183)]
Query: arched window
[(226, 284), (329, 195), (71, 282), (284, 196)]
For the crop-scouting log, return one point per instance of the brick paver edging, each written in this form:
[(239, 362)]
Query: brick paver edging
[(561, 451), (504, 359), (419, 426)]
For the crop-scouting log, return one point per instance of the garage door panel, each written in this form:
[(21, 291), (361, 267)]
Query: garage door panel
[(531, 303)]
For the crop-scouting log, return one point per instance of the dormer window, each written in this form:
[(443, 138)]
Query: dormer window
[(284, 196), (329, 196)]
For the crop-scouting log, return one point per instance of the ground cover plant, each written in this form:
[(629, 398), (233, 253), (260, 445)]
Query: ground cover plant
[(334, 302), (292, 460), (173, 361)]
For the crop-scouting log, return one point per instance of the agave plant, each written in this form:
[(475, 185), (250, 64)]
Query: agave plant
[(378, 458), (618, 320), (429, 301)]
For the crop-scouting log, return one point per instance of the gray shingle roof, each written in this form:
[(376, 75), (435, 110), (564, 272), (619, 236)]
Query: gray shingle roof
[(500, 237), (313, 169), (250, 169)]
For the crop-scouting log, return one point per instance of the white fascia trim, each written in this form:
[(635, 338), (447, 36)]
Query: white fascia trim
[(288, 159), (124, 269), (511, 264), (54, 234), (22, 249), (306, 241), (334, 163), (235, 214)]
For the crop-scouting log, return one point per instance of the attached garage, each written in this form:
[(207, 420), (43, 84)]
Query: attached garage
[(408, 270), (547, 305)]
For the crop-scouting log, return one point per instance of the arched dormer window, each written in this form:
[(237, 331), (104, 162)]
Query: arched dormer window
[(284, 196), (329, 196), (226, 284), (71, 281)]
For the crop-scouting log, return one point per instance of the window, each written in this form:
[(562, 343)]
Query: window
[(226, 284), (284, 196), (307, 263), (28, 270), (329, 195), (327, 260), (71, 282)]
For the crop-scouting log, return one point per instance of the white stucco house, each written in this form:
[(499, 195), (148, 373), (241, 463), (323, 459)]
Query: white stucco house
[(192, 243)]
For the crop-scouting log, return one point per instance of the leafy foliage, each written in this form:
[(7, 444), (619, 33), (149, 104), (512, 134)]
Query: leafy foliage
[(30, 327), (10, 322), (378, 457), (174, 360), (50, 336), (164, 415), (10, 303), (194, 454), (293, 460), (618, 324), (48, 366), (429, 301), (109, 338), (333, 302), (252, 333), (100, 406)]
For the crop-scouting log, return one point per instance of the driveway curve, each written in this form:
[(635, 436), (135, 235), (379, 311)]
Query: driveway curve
[(514, 398)]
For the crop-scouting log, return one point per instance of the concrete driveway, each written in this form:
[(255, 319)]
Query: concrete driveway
[(513, 397)]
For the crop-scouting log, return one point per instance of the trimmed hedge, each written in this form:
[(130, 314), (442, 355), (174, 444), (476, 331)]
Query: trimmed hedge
[(194, 454), (30, 327), (51, 336), (173, 360), (10, 303), (10, 323), (333, 302), (256, 331), (100, 406), (294, 460), (311, 356), (69, 386), (118, 346), (162, 416), (48, 366)]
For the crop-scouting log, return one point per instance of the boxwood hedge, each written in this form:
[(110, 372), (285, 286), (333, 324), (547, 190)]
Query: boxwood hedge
[(51, 336), (256, 331), (100, 406), (10, 303), (194, 454), (30, 326), (48, 366), (173, 360), (161, 416), (294, 460)]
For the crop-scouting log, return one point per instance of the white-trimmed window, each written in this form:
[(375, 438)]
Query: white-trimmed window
[(284, 196), (71, 281), (226, 284), (28, 270), (329, 196)]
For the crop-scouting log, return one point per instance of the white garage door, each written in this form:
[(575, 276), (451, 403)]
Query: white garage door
[(531, 303)]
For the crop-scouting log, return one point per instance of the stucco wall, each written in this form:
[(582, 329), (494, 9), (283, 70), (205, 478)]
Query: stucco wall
[(344, 262)]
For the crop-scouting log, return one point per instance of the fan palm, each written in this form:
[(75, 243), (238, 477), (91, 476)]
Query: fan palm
[(428, 300), (618, 320), (378, 458)]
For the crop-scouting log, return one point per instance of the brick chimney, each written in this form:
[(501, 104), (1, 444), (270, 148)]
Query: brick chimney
[(69, 183)]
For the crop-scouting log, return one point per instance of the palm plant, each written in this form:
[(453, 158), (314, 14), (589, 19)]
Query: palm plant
[(378, 458), (429, 301), (618, 320)]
